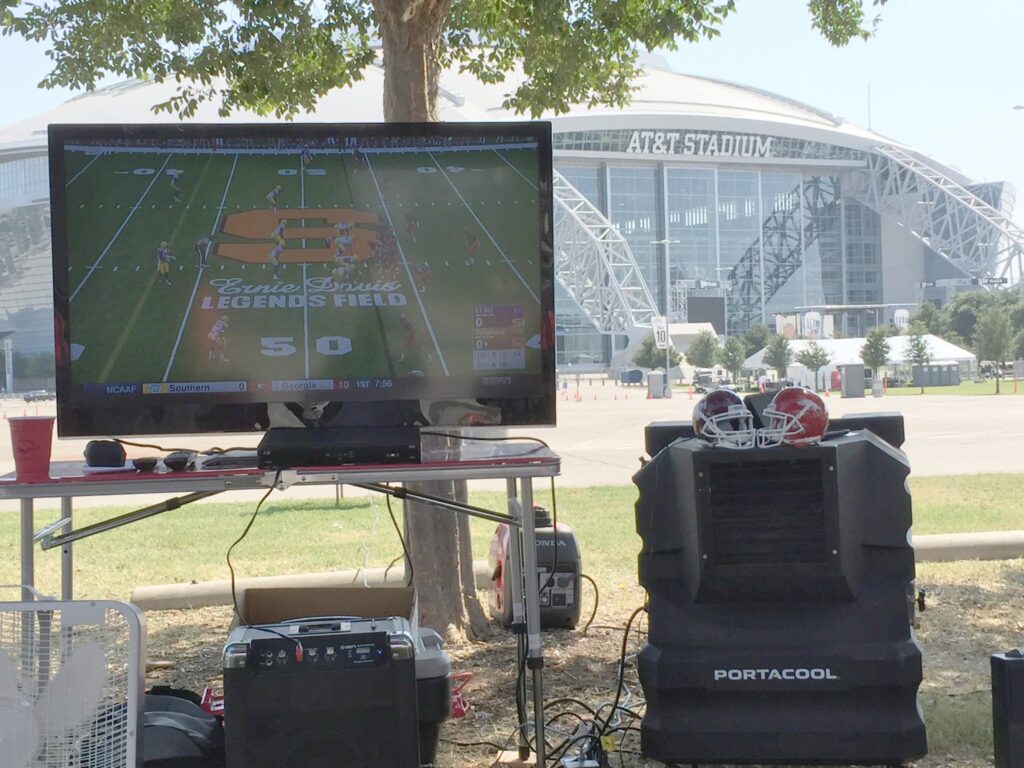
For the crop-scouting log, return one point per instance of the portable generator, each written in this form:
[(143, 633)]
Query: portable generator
[(558, 573)]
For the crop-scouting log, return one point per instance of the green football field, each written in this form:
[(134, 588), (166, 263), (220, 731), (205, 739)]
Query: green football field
[(311, 321)]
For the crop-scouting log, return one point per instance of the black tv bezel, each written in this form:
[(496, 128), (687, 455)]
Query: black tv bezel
[(249, 414)]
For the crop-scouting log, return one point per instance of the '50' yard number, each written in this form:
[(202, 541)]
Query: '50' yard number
[(282, 346)]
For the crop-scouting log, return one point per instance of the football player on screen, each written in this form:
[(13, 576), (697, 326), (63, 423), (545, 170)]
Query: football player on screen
[(175, 185), (163, 262), (472, 245), (278, 233), (272, 197), (202, 250), (217, 339), (274, 257), (409, 344), (411, 225)]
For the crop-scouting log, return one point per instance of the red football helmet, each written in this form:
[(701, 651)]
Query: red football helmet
[(721, 419), (795, 416)]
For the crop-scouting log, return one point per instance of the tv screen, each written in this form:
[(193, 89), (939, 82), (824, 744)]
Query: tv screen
[(228, 278)]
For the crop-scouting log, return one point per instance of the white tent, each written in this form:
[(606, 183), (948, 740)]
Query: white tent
[(847, 351)]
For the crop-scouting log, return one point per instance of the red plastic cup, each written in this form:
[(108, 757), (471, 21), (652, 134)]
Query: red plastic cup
[(31, 437)]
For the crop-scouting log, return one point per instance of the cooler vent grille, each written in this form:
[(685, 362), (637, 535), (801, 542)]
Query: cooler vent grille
[(768, 513)]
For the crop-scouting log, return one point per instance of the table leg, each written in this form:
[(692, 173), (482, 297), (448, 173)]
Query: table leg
[(66, 560), (28, 577), (534, 653), (515, 577)]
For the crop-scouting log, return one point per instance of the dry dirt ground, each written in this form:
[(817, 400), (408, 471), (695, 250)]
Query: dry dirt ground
[(974, 610)]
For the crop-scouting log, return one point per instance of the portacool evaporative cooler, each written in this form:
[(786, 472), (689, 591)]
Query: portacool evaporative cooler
[(781, 585)]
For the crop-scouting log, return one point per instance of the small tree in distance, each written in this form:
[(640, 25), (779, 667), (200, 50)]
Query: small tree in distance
[(757, 338), (813, 357), (779, 355), (649, 356), (875, 352), (703, 353), (993, 335), (732, 355), (917, 347)]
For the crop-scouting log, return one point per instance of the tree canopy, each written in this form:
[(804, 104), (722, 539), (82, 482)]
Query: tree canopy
[(647, 355), (994, 336), (917, 346), (280, 58), (779, 354), (875, 351), (814, 357), (732, 355), (703, 352)]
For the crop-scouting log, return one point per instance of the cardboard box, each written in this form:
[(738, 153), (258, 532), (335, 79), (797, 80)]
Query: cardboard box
[(270, 605)]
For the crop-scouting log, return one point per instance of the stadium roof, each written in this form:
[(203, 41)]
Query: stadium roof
[(663, 98)]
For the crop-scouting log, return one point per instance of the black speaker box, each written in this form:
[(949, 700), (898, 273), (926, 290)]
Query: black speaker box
[(1008, 709)]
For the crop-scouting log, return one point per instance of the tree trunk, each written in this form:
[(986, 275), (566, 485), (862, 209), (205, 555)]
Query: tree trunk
[(439, 540), (410, 31)]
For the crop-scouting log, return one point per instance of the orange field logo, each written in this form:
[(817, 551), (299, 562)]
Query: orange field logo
[(316, 228)]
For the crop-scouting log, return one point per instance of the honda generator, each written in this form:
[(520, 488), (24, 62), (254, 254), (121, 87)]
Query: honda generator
[(558, 573)]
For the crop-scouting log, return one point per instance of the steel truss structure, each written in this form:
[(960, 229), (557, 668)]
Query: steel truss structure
[(951, 220), (778, 253), (594, 264)]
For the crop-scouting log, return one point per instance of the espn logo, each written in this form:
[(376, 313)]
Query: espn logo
[(795, 673)]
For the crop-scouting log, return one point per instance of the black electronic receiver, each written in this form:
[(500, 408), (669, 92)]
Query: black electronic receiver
[(285, 447)]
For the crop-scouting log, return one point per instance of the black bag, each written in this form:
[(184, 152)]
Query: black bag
[(177, 733)]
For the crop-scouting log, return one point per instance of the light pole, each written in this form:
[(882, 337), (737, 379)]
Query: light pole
[(667, 389), (726, 286)]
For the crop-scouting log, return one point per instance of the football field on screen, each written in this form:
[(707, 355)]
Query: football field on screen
[(467, 235)]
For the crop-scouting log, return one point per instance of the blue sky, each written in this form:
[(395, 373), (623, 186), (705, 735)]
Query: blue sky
[(944, 75)]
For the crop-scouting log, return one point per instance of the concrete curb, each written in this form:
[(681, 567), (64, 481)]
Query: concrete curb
[(934, 548), (989, 545), (201, 594)]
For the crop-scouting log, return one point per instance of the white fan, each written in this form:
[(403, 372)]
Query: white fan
[(67, 702)]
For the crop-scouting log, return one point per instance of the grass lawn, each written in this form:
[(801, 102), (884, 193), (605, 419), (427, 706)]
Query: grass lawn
[(298, 535), (963, 388), (975, 608)]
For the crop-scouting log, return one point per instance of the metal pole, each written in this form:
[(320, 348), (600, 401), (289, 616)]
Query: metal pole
[(66, 559), (667, 389), (28, 577), (534, 653)]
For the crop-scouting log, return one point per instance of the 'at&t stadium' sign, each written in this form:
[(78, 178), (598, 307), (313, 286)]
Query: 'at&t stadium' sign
[(699, 144)]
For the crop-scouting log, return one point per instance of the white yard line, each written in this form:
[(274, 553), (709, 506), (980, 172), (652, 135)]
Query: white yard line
[(514, 168), (305, 290), (95, 265), (71, 180), (481, 224), (199, 274), (412, 281)]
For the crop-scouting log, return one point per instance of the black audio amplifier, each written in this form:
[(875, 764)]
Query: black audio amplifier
[(320, 693), (284, 447)]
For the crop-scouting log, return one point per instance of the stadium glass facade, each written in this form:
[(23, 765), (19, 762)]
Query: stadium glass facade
[(766, 240)]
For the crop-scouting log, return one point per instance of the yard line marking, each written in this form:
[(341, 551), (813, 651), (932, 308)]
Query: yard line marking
[(199, 272), (486, 232), (305, 288), (405, 263), (69, 181), (505, 160), (90, 270)]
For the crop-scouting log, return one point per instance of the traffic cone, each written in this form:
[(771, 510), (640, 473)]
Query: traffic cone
[(649, 395)]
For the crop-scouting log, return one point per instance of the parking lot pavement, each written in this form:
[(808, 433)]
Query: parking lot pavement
[(600, 434)]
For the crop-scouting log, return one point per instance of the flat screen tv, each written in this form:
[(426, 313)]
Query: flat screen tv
[(230, 278)]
